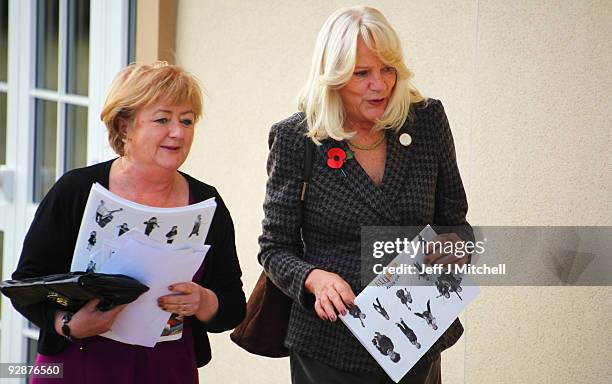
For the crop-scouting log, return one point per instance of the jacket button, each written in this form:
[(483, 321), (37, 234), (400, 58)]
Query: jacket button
[(405, 139)]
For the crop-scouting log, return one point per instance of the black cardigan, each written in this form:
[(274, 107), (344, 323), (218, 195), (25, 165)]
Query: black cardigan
[(50, 242)]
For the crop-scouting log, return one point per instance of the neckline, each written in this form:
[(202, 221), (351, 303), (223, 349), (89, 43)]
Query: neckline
[(361, 171), (104, 180)]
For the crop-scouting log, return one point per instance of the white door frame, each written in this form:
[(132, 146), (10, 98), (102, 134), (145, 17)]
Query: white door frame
[(108, 54)]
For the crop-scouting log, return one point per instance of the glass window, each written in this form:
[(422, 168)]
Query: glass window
[(47, 43), (3, 40), (2, 128), (77, 79), (31, 354), (131, 32), (59, 124), (76, 137), (45, 121)]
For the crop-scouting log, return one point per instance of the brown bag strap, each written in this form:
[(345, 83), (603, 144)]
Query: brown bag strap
[(309, 147), (263, 330)]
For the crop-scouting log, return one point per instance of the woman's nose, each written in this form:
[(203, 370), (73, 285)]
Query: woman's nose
[(376, 82), (176, 130)]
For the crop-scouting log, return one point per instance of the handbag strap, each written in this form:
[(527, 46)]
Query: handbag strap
[(309, 147)]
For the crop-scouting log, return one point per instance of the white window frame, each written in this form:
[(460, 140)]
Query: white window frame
[(107, 55)]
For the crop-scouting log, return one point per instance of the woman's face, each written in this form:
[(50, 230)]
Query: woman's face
[(366, 95), (160, 135)]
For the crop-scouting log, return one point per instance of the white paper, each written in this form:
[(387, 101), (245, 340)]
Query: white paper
[(107, 217), (157, 266), (384, 290)]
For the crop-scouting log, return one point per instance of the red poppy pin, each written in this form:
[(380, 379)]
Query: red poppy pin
[(336, 157)]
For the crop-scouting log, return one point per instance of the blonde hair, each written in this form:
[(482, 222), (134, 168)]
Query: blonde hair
[(333, 63), (140, 85)]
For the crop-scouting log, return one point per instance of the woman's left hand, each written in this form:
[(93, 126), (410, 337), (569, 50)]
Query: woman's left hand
[(190, 299), (437, 250)]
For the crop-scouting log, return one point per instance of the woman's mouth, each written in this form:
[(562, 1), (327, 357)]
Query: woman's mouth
[(377, 102), (171, 148)]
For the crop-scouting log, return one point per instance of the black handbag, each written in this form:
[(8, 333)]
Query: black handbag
[(70, 291), (263, 330)]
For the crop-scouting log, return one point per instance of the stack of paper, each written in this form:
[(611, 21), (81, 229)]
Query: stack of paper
[(156, 266), (156, 246)]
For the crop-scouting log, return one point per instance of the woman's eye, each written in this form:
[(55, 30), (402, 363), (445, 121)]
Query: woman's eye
[(361, 73), (163, 120), (389, 70), (187, 122)]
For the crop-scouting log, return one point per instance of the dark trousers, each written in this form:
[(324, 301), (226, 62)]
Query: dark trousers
[(306, 370)]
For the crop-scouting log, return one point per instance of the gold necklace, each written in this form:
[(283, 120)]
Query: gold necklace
[(368, 147)]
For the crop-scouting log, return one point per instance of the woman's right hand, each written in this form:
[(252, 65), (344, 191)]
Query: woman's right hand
[(89, 321), (333, 294)]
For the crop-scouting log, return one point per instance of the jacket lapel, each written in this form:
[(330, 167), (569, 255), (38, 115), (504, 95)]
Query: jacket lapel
[(399, 160), (358, 180)]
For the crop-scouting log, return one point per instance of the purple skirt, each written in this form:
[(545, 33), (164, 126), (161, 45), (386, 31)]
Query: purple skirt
[(101, 360)]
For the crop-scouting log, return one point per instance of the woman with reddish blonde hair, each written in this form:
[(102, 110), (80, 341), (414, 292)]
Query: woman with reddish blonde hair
[(150, 114)]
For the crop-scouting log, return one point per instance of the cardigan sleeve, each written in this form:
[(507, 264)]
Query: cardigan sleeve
[(48, 247), (451, 202), (281, 247), (222, 272)]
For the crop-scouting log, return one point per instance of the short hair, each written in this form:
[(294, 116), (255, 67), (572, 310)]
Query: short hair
[(333, 64), (140, 85)]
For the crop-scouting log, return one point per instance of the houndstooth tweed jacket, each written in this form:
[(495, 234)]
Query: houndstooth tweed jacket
[(421, 185)]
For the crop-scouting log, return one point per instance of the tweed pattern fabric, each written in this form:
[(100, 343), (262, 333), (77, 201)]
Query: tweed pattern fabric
[(421, 185)]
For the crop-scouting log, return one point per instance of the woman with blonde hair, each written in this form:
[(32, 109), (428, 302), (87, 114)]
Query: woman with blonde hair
[(384, 156), (150, 114)]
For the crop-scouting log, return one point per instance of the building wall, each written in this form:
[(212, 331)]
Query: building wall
[(526, 86)]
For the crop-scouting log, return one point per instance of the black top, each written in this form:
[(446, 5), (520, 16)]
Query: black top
[(49, 245)]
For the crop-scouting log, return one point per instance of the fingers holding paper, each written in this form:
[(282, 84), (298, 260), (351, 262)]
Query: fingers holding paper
[(190, 299), (184, 301), (332, 293)]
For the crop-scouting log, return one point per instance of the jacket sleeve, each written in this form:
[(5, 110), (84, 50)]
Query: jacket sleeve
[(281, 247), (451, 202), (47, 249), (222, 272)]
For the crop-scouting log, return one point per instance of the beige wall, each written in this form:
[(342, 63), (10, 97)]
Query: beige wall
[(526, 86)]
